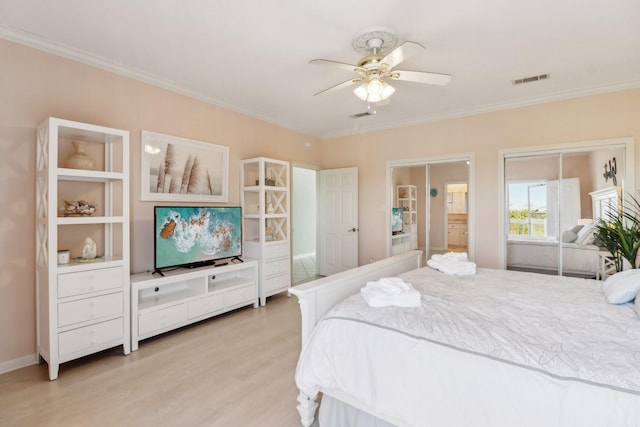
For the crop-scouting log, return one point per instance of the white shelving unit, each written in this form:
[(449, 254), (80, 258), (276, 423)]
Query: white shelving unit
[(82, 305), (265, 204), (400, 243), (163, 303), (407, 199)]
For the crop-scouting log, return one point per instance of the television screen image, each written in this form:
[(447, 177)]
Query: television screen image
[(396, 220), (192, 236)]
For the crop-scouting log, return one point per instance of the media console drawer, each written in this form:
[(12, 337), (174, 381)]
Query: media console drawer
[(159, 319), (205, 305), (239, 296)]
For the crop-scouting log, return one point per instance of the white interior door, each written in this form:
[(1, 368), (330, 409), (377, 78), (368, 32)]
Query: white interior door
[(337, 220)]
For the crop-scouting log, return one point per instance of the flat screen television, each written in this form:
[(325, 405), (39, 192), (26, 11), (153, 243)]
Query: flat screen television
[(396, 220), (187, 236)]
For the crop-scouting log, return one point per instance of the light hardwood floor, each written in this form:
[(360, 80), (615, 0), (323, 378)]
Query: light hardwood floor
[(233, 370)]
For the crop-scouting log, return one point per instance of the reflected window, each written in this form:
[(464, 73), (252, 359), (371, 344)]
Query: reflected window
[(527, 209)]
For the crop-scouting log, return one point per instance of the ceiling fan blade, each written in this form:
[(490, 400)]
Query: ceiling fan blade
[(421, 77), (344, 65), (339, 86), (402, 52)]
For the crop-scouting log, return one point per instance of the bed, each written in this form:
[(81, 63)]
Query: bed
[(538, 254), (500, 348)]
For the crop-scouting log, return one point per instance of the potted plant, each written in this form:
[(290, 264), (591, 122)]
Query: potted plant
[(619, 233)]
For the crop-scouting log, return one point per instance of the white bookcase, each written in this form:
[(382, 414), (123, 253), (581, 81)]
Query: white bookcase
[(180, 297), (265, 204), (82, 304), (400, 243), (407, 199)]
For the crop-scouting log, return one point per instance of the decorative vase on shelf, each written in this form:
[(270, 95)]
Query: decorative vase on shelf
[(79, 159)]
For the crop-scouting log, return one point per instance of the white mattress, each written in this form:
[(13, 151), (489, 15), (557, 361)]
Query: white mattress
[(495, 349)]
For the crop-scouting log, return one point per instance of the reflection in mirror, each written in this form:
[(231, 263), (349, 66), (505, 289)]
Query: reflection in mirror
[(550, 213), (449, 207)]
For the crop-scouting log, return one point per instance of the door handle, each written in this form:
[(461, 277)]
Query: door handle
[(353, 230)]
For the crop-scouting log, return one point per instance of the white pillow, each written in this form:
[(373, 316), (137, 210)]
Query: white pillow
[(576, 228), (637, 304), (622, 287), (569, 236), (587, 235)]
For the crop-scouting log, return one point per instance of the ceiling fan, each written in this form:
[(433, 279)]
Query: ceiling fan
[(379, 64)]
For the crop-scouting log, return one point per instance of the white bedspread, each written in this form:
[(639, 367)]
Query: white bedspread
[(494, 349)]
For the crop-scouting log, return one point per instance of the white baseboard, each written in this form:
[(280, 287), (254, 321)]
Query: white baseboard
[(12, 365)]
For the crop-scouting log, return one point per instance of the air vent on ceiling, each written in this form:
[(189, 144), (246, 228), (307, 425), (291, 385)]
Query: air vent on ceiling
[(360, 115), (531, 79)]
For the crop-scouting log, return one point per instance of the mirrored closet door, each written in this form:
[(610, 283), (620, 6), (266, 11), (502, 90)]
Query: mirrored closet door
[(549, 207)]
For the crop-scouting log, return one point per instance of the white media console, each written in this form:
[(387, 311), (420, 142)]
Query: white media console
[(180, 297)]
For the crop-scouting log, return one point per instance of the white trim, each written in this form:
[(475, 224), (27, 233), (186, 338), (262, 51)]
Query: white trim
[(19, 363)]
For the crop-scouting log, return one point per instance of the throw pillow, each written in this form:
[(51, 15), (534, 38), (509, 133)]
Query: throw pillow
[(586, 235), (576, 228), (569, 236), (622, 287)]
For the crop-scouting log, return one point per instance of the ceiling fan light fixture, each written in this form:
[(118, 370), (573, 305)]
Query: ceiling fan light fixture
[(375, 86), (361, 91), (374, 90), (387, 90)]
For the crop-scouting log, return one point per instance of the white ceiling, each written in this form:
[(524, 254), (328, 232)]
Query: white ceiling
[(253, 56)]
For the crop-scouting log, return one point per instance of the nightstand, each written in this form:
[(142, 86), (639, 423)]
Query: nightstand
[(606, 265)]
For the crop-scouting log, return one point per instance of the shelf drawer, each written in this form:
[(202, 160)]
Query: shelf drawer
[(280, 282), (160, 319), (244, 295), (82, 339), (82, 282), (205, 305), (276, 267), (276, 251), (90, 308)]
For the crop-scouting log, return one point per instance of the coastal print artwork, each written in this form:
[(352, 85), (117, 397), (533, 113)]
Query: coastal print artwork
[(182, 170)]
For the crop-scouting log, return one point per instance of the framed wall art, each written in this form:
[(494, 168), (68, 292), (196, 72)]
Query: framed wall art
[(177, 169)]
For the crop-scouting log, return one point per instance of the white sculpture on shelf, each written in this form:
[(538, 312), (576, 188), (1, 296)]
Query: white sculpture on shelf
[(89, 249)]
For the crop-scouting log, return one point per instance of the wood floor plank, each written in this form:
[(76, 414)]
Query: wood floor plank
[(233, 370)]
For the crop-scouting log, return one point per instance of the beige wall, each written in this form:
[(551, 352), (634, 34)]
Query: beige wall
[(615, 114), (35, 85)]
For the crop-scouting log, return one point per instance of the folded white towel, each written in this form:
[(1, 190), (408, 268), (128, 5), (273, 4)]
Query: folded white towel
[(390, 291), (389, 285), (459, 256), (452, 266)]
